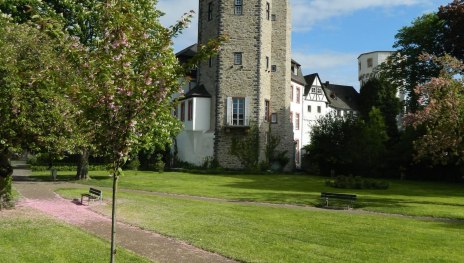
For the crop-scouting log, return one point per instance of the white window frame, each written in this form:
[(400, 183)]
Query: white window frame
[(238, 109)]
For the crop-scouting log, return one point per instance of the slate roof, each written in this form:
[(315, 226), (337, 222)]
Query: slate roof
[(341, 97), (298, 78), (197, 92), (187, 53)]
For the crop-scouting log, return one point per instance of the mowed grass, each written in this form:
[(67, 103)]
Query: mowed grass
[(255, 233), (29, 237), (403, 197)]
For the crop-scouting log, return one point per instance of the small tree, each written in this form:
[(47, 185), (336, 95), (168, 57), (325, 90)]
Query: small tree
[(131, 75)]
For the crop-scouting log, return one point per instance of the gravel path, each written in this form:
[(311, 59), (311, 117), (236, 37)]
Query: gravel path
[(40, 196)]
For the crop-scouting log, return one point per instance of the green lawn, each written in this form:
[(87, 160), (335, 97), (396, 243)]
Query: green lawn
[(254, 233), (26, 236), (403, 197)]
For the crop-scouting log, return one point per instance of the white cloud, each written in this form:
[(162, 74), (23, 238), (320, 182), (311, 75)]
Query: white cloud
[(308, 13), (325, 60), (336, 67)]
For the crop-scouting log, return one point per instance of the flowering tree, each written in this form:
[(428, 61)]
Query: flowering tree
[(442, 115), (131, 74)]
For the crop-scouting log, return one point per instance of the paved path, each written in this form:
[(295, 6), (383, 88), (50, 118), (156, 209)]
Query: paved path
[(40, 195)]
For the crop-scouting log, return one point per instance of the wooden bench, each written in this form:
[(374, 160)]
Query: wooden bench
[(92, 195), (349, 197)]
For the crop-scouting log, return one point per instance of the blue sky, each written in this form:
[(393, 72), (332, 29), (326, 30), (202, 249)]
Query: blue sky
[(328, 35)]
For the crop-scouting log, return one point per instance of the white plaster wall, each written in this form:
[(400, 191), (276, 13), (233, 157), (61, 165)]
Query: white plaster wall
[(378, 57), (195, 146), (201, 114), (297, 108)]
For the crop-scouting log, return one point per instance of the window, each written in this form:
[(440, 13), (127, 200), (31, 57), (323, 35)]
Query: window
[(238, 111), (237, 58), (268, 11), (273, 68), (297, 151), (182, 111), (274, 118), (238, 7), (266, 110), (319, 91), (174, 112), (210, 11), (309, 108), (298, 95), (297, 121), (210, 62), (267, 63), (339, 112), (318, 109), (291, 93), (273, 17), (313, 90), (190, 110), (370, 63), (291, 117)]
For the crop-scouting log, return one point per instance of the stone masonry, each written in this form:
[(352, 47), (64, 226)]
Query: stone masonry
[(259, 38)]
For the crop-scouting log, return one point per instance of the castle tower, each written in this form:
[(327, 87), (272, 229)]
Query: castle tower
[(249, 80)]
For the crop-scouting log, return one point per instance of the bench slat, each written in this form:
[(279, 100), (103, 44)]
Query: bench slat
[(339, 196)]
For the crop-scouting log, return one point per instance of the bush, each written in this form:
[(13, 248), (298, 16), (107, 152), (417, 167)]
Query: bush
[(159, 164), (356, 182), (67, 168), (133, 164)]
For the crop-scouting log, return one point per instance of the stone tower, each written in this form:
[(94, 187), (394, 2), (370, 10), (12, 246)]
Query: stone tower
[(249, 80)]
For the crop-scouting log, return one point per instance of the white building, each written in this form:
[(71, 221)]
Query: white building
[(296, 110), (367, 62), (315, 105), (321, 99)]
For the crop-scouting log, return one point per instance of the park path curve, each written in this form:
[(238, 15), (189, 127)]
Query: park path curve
[(41, 196)]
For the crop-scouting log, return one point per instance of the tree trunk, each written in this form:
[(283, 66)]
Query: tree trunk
[(83, 165), (113, 215), (6, 170)]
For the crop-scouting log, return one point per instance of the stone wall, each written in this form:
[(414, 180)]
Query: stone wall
[(281, 79), (257, 38)]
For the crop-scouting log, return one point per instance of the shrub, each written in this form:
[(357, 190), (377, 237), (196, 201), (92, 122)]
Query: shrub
[(159, 164), (133, 164), (356, 182), (67, 168)]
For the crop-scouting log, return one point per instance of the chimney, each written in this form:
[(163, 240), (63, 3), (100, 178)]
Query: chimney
[(327, 83)]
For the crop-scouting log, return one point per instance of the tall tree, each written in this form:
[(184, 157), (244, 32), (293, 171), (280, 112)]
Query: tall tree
[(453, 17), (407, 67), (379, 93), (35, 77)]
